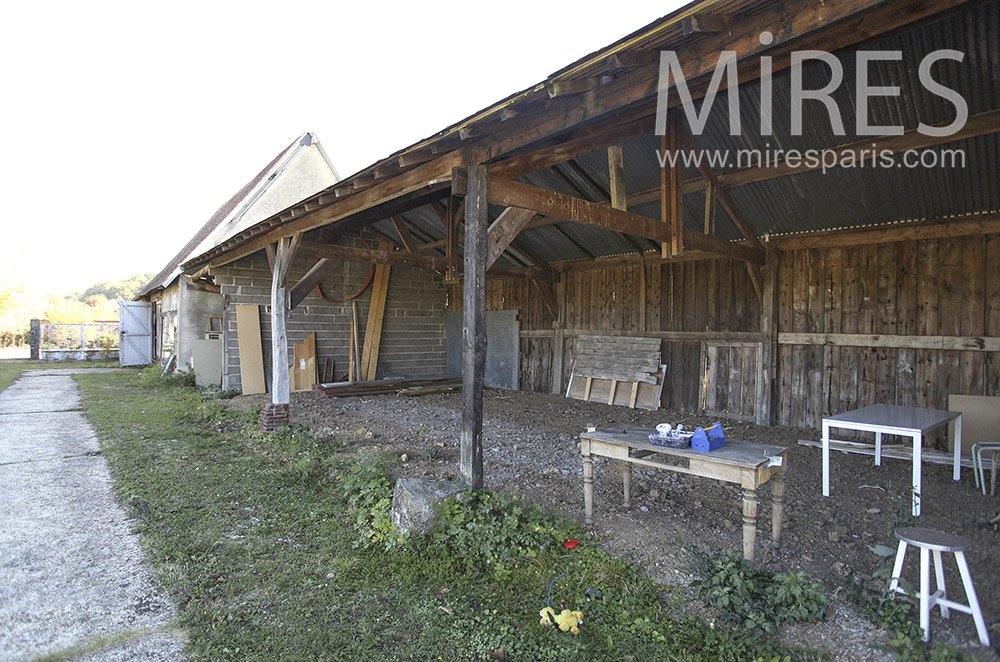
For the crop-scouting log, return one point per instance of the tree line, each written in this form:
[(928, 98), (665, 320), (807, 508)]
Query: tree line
[(99, 302)]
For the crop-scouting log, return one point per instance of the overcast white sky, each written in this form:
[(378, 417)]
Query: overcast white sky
[(126, 124)]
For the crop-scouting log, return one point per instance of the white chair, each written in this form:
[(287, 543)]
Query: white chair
[(977, 464), (929, 540)]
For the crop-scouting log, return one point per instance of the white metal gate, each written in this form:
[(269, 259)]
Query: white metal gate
[(136, 324)]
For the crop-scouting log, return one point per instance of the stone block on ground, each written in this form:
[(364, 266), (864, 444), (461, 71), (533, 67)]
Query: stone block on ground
[(413, 502)]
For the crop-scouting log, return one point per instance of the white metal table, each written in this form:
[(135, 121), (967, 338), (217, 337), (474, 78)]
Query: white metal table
[(882, 419)]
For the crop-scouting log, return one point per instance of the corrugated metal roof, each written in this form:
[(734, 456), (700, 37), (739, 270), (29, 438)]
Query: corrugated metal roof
[(801, 202)]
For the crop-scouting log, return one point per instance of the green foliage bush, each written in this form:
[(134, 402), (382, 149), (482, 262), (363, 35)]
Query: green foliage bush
[(756, 599)]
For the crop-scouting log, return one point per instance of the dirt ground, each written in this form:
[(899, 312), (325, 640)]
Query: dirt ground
[(530, 448)]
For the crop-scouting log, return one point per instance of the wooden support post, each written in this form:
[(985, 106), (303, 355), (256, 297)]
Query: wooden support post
[(671, 195), (767, 354), (276, 415), (456, 207), (616, 172), (709, 208), (474, 327), (559, 336)]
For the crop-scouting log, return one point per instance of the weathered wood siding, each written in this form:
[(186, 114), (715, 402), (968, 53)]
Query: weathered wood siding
[(707, 314), (704, 300), (936, 287)]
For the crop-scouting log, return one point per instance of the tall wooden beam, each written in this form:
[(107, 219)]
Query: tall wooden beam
[(284, 253), (456, 209), (671, 195), (616, 173), (769, 341), (474, 327)]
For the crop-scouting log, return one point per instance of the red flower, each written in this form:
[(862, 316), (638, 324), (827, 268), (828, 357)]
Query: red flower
[(571, 543)]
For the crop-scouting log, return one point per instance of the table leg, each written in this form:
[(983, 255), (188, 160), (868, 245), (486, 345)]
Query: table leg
[(956, 434), (749, 522), (917, 452), (826, 459), (777, 505), (627, 483), (588, 490), (878, 449)]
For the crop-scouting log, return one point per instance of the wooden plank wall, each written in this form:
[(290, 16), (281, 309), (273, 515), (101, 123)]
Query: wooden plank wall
[(702, 299), (936, 287)]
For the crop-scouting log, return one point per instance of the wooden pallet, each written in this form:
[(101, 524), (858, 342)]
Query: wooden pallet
[(629, 394)]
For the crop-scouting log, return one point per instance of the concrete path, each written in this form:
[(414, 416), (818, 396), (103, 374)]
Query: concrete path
[(72, 575)]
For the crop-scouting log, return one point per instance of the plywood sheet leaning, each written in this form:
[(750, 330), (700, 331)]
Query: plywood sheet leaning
[(251, 352), (302, 373), (376, 314), (980, 420)]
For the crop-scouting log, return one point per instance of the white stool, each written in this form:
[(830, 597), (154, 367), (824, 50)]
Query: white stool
[(929, 540), (977, 464)]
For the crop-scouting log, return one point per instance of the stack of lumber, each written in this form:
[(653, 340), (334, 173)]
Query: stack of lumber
[(617, 370), (353, 389)]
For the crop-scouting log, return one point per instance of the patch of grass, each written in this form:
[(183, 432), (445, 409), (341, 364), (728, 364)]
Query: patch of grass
[(279, 547)]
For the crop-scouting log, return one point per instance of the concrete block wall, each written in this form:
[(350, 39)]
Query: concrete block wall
[(413, 331)]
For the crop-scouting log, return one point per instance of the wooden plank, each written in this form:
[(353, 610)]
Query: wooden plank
[(955, 226), (352, 353), (764, 405), (612, 391), (694, 240), (355, 332), (943, 343), (405, 236), (899, 452), (991, 301), (302, 372), (474, 323), (515, 194), (250, 349), (973, 312), (633, 395), (927, 319), (586, 392), (566, 150), (906, 322), (376, 315)]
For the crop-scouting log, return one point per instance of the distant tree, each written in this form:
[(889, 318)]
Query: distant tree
[(68, 311), (119, 290), (17, 307)]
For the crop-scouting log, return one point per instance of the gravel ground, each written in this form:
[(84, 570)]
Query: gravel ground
[(530, 447)]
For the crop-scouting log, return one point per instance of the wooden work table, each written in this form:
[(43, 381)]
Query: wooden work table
[(749, 465)]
